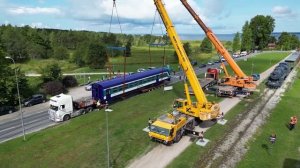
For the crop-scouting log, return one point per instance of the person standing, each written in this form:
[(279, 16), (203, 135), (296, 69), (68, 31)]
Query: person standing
[(293, 122), (273, 138), (201, 136), (98, 104), (149, 123)]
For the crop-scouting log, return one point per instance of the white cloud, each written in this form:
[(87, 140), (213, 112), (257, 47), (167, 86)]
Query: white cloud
[(33, 10), (283, 11), (37, 25), (213, 8), (130, 11)]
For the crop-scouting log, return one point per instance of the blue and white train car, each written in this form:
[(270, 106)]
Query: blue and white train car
[(109, 90)]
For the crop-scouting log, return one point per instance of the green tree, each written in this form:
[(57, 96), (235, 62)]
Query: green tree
[(51, 72), (187, 48), (15, 43), (236, 46), (8, 89), (272, 39), (60, 53), (97, 56), (262, 27), (80, 56), (36, 51), (286, 41), (295, 43), (247, 39), (128, 49), (206, 46)]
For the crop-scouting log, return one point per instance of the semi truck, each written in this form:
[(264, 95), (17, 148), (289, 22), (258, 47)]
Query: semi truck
[(63, 108), (170, 127)]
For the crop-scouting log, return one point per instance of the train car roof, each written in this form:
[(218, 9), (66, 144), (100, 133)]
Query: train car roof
[(293, 57), (128, 78)]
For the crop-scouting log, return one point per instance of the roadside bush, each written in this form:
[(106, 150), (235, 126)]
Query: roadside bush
[(54, 88), (69, 81)]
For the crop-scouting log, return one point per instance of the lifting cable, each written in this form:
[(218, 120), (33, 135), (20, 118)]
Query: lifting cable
[(162, 33), (118, 48)]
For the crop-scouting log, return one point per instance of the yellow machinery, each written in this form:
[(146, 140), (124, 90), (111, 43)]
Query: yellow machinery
[(240, 80), (170, 127)]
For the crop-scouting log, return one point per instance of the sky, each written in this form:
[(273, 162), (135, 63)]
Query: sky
[(140, 17)]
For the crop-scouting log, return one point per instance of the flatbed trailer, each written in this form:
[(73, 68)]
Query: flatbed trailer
[(205, 83)]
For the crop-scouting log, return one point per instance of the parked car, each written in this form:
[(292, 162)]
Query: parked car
[(141, 70), (236, 55), (244, 53), (7, 110), (217, 61), (151, 67), (256, 77), (202, 65), (88, 87), (194, 63), (34, 99), (210, 63)]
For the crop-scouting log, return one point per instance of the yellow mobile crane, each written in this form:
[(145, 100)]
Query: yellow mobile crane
[(241, 80), (170, 127)]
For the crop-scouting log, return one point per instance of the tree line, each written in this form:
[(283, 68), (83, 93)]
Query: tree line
[(83, 48), (257, 34)]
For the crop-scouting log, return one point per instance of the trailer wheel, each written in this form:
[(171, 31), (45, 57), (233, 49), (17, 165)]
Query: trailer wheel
[(66, 117), (83, 112)]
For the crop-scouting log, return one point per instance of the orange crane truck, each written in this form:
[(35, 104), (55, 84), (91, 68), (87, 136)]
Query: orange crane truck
[(240, 80)]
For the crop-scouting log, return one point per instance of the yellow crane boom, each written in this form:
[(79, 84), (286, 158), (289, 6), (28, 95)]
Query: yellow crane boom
[(169, 128), (182, 56)]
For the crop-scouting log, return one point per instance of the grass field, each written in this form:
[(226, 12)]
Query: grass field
[(81, 141), (286, 151), (260, 63), (193, 153)]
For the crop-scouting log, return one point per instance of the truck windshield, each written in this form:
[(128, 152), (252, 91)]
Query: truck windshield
[(159, 130), (55, 108)]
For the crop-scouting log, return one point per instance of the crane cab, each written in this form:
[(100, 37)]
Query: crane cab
[(180, 103)]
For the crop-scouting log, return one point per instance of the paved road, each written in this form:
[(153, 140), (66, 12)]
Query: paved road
[(32, 123), (36, 117)]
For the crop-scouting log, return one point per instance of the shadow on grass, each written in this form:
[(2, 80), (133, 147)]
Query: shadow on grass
[(288, 163), (266, 147)]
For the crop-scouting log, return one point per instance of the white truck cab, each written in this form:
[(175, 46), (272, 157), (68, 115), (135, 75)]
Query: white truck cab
[(61, 107)]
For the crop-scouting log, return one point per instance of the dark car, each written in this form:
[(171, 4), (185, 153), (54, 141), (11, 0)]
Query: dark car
[(202, 65), (7, 110), (194, 63), (256, 77), (35, 99)]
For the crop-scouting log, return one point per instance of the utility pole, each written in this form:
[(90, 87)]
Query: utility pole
[(20, 106)]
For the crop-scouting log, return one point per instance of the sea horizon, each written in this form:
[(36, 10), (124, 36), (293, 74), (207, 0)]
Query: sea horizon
[(224, 37)]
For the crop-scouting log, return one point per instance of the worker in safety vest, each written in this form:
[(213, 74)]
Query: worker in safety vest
[(293, 122)]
